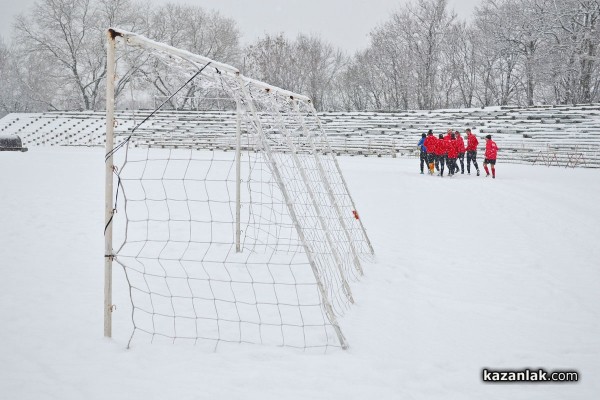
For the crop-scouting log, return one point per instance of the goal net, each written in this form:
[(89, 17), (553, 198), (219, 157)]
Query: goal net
[(231, 226)]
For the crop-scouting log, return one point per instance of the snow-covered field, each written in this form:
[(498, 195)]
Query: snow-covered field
[(471, 273)]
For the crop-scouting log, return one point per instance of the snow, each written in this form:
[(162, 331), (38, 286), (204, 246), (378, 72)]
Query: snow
[(471, 273)]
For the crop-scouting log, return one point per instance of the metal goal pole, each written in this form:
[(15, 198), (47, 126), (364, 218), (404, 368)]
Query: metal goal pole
[(238, 175), (108, 184)]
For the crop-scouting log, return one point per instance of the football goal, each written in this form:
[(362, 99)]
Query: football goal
[(245, 238)]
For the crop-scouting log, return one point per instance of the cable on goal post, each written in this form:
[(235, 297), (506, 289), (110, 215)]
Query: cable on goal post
[(110, 209), (124, 142)]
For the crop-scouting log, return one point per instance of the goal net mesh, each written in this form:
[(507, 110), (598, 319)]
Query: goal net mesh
[(285, 277)]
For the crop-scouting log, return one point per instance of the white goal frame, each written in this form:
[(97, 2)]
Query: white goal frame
[(112, 35)]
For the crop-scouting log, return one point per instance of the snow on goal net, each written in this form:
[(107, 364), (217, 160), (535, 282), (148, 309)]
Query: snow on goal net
[(250, 237)]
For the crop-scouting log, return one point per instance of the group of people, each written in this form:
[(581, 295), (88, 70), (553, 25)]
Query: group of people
[(450, 149)]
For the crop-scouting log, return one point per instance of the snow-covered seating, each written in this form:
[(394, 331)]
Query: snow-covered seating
[(567, 131)]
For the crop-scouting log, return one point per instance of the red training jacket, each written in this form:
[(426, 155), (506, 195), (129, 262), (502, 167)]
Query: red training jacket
[(460, 144), (441, 147), (472, 142), (452, 149), (491, 150), (430, 143)]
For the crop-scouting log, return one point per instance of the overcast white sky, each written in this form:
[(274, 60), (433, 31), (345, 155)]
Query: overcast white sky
[(344, 23)]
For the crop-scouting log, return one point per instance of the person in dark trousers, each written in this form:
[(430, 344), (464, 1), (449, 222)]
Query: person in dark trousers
[(430, 145), (447, 139), (440, 153), (460, 146), (491, 152), (472, 144), (452, 148), (422, 151)]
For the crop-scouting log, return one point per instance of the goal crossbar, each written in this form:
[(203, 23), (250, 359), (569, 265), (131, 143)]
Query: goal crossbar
[(198, 60)]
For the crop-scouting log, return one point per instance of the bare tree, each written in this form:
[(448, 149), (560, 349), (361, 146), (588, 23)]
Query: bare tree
[(68, 36), (406, 65), (512, 52), (196, 30), (322, 63), (11, 98), (520, 28), (306, 65), (272, 59), (463, 62), (577, 43), (6, 94), (498, 59), (359, 84), (390, 60), (425, 25)]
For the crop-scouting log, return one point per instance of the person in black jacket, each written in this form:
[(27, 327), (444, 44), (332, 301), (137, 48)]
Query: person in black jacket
[(422, 151)]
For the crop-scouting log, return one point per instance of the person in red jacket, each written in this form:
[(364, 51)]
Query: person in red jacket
[(448, 135), (430, 145), (440, 154), (452, 148), (472, 144), (491, 151), (460, 146), (447, 139)]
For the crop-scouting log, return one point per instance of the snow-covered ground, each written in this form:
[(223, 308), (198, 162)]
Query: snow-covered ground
[(471, 273)]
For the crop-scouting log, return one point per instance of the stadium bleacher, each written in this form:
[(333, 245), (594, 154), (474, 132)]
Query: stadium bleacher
[(564, 135)]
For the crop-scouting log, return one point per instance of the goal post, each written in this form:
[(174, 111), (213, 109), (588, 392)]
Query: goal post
[(230, 226), (108, 184)]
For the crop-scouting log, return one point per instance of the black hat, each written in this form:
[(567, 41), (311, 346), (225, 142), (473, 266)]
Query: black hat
[(453, 136), (423, 135), (489, 137), (441, 136), (430, 132)]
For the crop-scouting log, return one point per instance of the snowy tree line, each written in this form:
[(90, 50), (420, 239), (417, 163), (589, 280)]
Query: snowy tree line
[(520, 52), (511, 52)]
